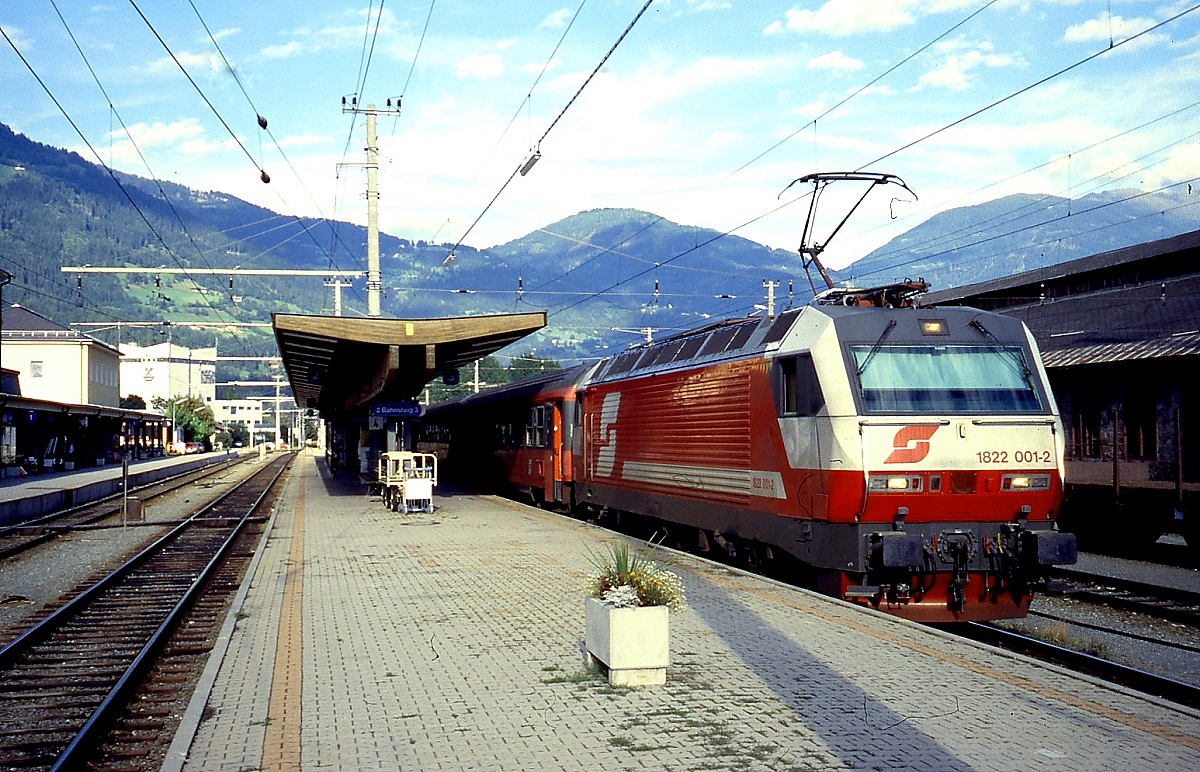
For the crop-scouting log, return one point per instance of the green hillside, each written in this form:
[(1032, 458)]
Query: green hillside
[(606, 276)]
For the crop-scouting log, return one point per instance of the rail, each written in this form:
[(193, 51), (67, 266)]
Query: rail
[(142, 600), (1150, 683)]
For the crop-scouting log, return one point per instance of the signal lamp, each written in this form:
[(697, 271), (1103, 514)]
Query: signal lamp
[(934, 327)]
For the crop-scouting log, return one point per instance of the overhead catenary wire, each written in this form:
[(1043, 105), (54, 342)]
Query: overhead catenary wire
[(141, 213), (1057, 74), (522, 106), (129, 135), (934, 133), (863, 88), (262, 172), (264, 125), (557, 118), (1010, 215), (1074, 214)]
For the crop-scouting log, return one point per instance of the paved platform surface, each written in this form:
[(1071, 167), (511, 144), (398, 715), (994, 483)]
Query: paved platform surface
[(370, 640), (22, 487), (24, 498)]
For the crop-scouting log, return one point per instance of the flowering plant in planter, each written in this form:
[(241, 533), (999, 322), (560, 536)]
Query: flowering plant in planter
[(629, 578)]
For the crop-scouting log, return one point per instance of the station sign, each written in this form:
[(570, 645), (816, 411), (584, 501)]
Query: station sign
[(398, 410)]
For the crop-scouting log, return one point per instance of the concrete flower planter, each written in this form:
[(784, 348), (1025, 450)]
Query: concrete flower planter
[(633, 643)]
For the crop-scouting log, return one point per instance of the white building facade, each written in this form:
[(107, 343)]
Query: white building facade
[(166, 370), (243, 412)]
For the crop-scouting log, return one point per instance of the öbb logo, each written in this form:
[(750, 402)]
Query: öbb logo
[(912, 444)]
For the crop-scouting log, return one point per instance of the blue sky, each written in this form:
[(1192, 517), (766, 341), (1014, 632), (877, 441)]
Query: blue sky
[(676, 123)]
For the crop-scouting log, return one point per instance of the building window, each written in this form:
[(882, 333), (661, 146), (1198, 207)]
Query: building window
[(36, 369)]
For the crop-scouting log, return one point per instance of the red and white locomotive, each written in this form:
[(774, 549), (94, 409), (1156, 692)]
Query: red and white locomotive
[(910, 458)]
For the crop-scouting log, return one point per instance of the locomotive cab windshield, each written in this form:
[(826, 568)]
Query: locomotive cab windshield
[(945, 378)]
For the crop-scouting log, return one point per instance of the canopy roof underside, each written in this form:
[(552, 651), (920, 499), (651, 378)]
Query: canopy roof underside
[(339, 364)]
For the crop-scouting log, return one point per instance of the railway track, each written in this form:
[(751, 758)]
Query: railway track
[(1134, 678), (65, 681), (1169, 603), (18, 537)]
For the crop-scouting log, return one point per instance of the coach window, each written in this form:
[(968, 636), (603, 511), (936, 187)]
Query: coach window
[(799, 391), (537, 431)]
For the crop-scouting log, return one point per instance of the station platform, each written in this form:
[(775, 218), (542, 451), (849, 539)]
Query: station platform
[(24, 498), (364, 639)]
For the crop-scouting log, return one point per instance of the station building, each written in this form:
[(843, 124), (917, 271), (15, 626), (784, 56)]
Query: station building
[(60, 400), (57, 363), (1120, 338)]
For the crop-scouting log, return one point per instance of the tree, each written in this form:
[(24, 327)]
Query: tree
[(191, 415), (528, 365), (133, 402), (233, 433)]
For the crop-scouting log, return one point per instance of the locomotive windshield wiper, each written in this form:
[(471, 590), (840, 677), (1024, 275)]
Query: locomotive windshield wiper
[(1012, 358), (862, 368)]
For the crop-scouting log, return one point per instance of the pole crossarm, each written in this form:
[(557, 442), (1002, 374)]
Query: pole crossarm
[(215, 271), (171, 324), (249, 359)]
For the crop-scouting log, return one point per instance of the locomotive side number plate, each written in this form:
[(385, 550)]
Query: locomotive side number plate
[(1015, 456)]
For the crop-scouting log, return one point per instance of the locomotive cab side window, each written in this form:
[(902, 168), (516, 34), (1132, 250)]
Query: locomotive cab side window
[(798, 390)]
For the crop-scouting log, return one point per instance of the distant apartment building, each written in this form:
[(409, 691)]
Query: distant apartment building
[(57, 363), (166, 370), (244, 412)]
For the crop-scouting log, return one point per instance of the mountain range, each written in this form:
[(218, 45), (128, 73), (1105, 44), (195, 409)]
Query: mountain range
[(608, 276)]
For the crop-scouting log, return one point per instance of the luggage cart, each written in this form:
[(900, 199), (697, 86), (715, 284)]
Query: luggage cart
[(407, 480)]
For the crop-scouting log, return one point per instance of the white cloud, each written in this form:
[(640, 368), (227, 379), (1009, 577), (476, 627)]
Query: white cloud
[(480, 67), (183, 139), (158, 134), (810, 110), (1102, 29), (191, 62), (19, 38), (1180, 166), (305, 140), (558, 19), (845, 17), (837, 61), (283, 51), (839, 18), (961, 60), (536, 67)]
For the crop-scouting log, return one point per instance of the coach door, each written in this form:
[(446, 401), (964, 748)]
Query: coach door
[(560, 458)]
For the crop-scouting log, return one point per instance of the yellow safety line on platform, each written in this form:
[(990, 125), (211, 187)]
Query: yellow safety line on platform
[(281, 744)]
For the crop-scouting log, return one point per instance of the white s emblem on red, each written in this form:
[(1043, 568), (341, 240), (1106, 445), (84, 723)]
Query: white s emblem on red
[(912, 444)]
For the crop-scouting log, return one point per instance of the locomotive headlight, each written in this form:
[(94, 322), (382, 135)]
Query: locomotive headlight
[(1025, 482), (894, 483)]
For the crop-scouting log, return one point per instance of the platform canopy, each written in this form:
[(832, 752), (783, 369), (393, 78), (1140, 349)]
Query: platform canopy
[(339, 364)]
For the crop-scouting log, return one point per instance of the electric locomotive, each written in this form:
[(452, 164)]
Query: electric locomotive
[(910, 458)]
